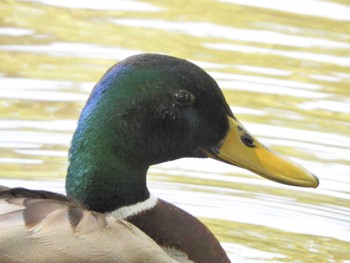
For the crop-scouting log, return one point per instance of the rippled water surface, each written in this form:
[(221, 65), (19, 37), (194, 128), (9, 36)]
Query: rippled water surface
[(284, 67)]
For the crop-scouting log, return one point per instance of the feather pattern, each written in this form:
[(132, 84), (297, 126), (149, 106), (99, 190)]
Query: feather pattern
[(50, 227)]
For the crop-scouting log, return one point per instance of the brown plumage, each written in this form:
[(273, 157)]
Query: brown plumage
[(50, 227)]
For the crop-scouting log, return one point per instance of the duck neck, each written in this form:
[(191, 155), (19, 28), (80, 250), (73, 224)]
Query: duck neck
[(100, 175)]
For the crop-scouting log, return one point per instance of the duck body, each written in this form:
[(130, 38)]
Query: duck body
[(41, 226), (145, 110)]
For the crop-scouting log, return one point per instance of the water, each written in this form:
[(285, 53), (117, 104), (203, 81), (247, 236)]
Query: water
[(283, 66)]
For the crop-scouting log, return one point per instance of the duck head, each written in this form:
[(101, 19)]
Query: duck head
[(153, 108)]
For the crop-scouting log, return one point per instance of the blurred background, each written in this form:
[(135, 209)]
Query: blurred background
[(284, 67)]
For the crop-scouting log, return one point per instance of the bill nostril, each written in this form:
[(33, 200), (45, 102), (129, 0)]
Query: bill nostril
[(248, 140)]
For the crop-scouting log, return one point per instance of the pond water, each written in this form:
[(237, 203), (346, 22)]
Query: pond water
[(284, 67)]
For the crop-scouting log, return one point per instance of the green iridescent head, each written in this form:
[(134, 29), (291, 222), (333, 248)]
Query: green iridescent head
[(153, 108)]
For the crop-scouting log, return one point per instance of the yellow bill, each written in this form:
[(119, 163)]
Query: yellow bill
[(241, 149)]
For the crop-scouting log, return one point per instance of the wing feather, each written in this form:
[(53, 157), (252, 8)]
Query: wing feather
[(42, 227)]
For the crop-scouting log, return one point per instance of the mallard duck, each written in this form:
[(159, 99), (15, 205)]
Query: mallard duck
[(146, 109)]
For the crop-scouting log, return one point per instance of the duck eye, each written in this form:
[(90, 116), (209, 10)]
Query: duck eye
[(247, 140), (183, 97)]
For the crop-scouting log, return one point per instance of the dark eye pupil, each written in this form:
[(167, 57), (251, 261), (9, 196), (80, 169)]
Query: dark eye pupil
[(183, 97), (247, 140)]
